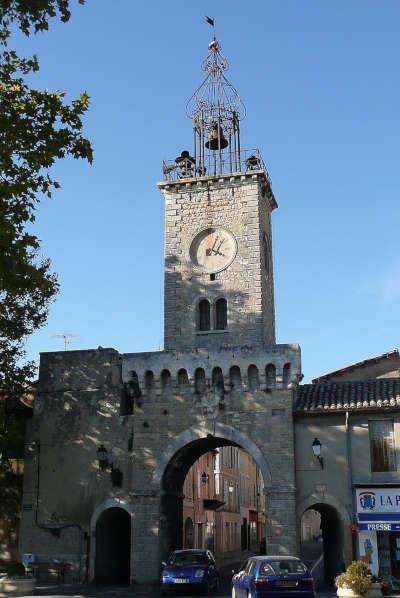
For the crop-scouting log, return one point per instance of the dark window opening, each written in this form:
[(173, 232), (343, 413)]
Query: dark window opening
[(200, 381), (221, 314), (286, 374), (270, 375), (218, 382), (212, 276), (183, 379), (149, 381), (253, 377), (165, 379), (235, 377), (204, 315)]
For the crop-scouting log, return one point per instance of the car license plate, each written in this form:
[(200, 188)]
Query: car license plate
[(286, 584), (181, 580)]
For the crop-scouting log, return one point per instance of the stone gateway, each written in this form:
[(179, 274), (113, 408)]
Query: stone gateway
[(114, 435)]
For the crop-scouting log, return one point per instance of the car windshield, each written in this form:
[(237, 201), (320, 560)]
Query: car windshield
[(188, 558), (282, 567)]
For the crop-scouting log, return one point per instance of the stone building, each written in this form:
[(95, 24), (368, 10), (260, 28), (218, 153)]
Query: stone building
[(223, 507), (114, 435), (353, 486)]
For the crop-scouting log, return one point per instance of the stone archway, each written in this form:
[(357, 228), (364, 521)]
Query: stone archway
[(111, 546), (335, 538), (219, 431), (174, 464)]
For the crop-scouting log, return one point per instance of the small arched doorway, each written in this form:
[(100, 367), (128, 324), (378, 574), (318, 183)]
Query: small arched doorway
[(188, 541), (113, 547), (322, 542)]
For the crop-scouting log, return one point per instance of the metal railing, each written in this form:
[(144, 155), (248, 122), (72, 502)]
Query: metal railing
[(213, 164)]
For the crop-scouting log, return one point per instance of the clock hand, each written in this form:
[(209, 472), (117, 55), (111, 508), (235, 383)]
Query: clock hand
[(219, 246)]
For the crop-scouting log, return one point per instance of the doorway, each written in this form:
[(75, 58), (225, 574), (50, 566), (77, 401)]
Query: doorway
[(189, 534), (322, 543), (113, 547)]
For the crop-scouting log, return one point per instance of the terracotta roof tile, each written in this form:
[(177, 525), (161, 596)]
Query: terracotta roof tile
[(334, 396)]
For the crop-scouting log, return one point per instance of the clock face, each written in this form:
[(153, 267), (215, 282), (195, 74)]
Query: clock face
[(213, 250)]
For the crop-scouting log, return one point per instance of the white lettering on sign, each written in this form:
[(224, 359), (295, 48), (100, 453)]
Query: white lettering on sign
[(379, 527)]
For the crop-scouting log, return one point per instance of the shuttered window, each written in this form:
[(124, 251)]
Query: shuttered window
[(381, 435)]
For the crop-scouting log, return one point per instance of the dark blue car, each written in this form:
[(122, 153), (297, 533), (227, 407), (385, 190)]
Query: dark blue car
[(273, 577), (190, 569)]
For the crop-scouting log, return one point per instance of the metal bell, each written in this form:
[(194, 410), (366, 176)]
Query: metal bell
[(216, 139)]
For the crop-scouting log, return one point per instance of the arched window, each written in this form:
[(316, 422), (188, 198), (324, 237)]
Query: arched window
[(149, 380), (221, 314), (200, 381), (270, 375), (286, 374), (165, 379), (204, 315), (253, 377), (218, 382), (183, 379), (235, 377)]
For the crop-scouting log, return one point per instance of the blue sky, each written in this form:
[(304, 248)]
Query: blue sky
[(320, 81)]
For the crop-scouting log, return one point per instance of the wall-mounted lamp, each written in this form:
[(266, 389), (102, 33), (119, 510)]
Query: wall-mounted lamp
[(231, 487), (115, 473), (102, 457), (316, 449), (204, 478)]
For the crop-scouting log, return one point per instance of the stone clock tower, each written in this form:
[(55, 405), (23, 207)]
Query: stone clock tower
[(218, 249), (124, 429)]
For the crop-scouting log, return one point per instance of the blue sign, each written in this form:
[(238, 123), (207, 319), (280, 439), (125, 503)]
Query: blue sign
[(395, 517)]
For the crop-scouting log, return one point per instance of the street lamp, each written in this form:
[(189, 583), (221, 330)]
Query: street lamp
[(102, 457), (316, 449)]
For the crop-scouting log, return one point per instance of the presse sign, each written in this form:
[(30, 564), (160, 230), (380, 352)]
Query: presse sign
[(378, 509)]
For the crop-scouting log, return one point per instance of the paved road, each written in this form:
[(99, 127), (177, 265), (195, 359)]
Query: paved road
[(136, 592), (124, 592)]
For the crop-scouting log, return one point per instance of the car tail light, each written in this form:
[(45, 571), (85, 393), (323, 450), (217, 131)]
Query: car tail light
[(308, 582)]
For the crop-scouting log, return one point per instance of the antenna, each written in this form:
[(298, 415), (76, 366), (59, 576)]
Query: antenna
[(67, 338)]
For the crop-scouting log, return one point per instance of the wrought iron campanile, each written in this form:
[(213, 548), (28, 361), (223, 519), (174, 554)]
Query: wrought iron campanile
[(216, 111)]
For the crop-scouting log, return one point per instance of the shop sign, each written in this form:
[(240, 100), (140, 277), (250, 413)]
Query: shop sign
[(378, 500), (379, 527)]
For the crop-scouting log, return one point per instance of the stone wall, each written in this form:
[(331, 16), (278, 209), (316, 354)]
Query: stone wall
[(78, 409)]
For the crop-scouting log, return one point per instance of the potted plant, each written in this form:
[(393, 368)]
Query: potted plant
[(13, 581), (357, 581)]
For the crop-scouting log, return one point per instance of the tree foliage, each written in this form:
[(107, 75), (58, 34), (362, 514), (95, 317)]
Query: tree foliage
[(37, 128)]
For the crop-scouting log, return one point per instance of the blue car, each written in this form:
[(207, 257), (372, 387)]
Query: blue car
[(190, 569), (273, 577)]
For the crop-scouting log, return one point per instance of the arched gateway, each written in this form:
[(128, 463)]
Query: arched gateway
[(176, 461), (128, 427)]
